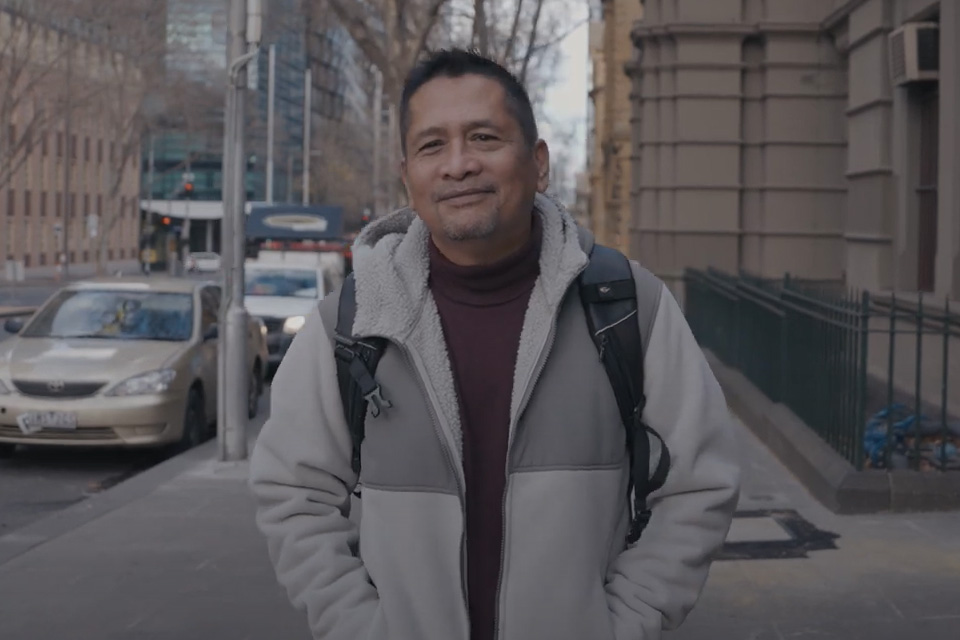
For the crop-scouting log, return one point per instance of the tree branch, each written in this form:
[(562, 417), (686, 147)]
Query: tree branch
[(514, 29), (531, 43), (481, 31)]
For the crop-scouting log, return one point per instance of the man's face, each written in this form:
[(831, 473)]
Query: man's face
[(469, 173)]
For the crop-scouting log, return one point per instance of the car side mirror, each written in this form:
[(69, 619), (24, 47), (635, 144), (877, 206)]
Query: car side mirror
[(212, 333), (13, 325)]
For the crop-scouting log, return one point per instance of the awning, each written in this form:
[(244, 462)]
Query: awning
[(196, 209)]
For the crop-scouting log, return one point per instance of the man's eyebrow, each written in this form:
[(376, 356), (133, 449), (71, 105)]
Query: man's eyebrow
[(440, 131)]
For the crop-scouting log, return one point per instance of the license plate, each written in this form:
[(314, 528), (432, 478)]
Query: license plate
[(37, 421)]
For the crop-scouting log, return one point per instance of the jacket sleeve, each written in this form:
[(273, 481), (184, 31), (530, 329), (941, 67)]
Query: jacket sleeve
[(655, 582), (302, 480)]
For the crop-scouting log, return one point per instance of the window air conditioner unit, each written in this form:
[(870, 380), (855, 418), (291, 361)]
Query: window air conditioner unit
[(915, 53)]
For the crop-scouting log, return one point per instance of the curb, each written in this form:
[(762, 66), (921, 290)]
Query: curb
[(831, 479), (96, 506)]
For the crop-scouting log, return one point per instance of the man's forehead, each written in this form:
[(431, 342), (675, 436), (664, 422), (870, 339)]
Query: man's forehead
[(458, 102), (461, 91)]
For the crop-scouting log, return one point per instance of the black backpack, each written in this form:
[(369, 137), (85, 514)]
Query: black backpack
[(609, 299)]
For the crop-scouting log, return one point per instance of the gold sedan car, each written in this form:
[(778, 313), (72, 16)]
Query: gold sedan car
[(128, 362)]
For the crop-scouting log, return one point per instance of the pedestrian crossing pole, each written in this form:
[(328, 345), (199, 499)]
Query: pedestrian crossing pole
[(234, 372)]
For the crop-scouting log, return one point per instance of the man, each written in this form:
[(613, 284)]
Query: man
[(494, 481)]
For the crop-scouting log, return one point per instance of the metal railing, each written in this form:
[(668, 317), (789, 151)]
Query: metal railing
[(807, 346)]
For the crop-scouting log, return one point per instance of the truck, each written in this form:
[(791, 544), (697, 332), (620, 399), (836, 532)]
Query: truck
[(296, 255)]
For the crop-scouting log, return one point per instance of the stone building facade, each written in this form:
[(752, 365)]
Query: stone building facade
[(610, 140), (770, 137)]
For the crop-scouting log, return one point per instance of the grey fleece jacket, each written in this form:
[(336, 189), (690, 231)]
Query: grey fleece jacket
[(566, 572)]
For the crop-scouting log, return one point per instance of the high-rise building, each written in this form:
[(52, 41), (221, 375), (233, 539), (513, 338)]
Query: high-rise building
[(196, 33)]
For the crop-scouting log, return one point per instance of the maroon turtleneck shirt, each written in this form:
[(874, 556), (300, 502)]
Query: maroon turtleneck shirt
[(482, 310)]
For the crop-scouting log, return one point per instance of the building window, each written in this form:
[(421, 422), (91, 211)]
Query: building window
[(42, 259), (99, 151), (73, 147), (11, 201), (59, 145), (123, 206), (86, 149), (73, 256), (26, 260), (43, 203), (86, 204), (99, 204), (73, 205), (86, 255), (26, 202), (58, 204), (43, 152)]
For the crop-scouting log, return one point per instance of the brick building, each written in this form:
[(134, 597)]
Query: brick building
[(36, 205)]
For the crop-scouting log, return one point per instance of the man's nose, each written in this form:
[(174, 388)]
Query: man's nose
[(460, 162)]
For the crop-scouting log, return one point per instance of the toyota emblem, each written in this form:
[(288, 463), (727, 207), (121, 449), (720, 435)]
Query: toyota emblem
[(56, 385)]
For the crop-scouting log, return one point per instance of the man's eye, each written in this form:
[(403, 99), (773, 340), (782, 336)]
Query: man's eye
[(430, 145), (484, 137)]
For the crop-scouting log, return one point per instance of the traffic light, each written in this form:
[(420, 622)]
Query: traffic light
[(165, 221), (188, 191)]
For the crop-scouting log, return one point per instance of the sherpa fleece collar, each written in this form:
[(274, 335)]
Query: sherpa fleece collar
[(392, 266)]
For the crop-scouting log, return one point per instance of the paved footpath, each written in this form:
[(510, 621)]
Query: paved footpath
[(890, 577), (174, 554)]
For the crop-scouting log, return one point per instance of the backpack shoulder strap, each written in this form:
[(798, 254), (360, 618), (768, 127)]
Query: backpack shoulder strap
[(609, 297), (357, 361)]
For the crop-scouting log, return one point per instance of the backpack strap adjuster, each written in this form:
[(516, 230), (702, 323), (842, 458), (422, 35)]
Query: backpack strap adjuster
[(356, 354)]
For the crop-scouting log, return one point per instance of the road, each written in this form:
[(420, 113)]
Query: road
[(38, 481)]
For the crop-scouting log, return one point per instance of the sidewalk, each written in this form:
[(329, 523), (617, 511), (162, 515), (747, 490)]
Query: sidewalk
[(174, 554)]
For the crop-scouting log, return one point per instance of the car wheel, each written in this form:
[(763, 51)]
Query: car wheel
[(194, 422), (7, 450), (254, 391)]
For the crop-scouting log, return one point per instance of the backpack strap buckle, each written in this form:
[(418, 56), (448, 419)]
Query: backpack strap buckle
[(356, 354)]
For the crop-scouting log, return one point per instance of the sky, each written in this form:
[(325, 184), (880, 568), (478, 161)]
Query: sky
[(566, 101)]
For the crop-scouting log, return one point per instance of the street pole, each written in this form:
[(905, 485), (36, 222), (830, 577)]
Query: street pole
[(234, 371), (394, 136), (67, 166), (377, 141), (271, 96), (150, 170), (290, 179), (307, 122), (185, 231)]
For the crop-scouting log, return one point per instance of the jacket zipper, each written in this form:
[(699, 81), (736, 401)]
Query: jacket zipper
[(531, 384), (457, 471)]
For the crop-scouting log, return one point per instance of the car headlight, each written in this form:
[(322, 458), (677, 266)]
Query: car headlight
[(4, 389), (263, 330), (151, 382), (293, 324)]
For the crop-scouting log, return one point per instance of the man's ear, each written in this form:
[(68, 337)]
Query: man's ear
[(541, 157)]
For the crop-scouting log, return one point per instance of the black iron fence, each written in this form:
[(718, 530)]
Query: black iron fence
[(819, 349)]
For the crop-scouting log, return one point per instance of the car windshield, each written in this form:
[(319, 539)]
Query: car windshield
[(299, 283), (115, 315)]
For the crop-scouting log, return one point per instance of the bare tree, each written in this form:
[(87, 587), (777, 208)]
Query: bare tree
[(122, 101), (391, 33), (33, 61)]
